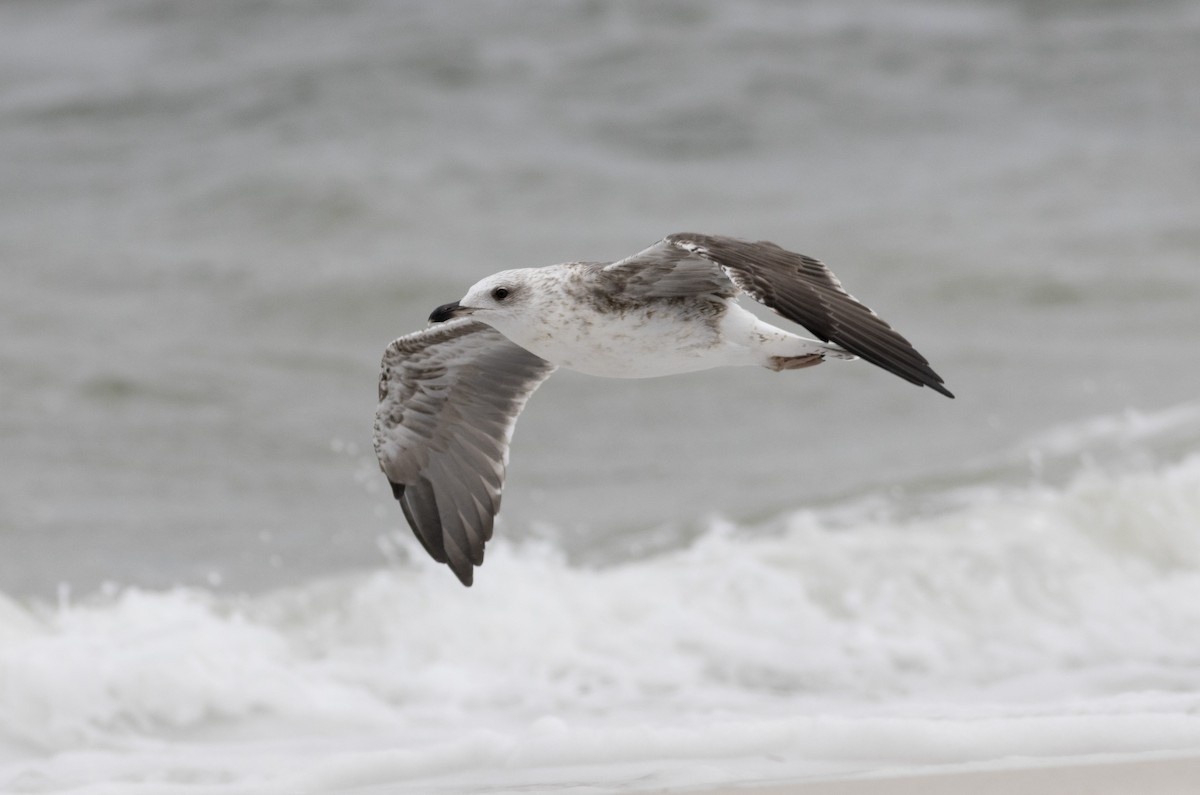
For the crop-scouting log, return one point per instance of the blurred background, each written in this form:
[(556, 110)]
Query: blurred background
[(217, 215)]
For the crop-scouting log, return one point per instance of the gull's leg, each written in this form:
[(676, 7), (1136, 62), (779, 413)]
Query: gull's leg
[(780, 363)]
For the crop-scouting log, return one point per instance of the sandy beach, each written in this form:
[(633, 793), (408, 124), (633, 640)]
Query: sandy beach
[(1174, 775)]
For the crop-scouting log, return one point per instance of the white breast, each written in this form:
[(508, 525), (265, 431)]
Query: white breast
[(635, 344)]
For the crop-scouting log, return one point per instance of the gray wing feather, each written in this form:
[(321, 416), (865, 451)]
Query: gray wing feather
[(666, 270), (449, 397), (799, 288)]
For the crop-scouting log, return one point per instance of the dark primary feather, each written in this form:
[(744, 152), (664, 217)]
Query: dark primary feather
[(798, 287), (449, 397)]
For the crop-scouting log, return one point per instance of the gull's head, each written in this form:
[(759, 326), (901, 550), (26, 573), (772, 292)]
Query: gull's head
[(497, 300)]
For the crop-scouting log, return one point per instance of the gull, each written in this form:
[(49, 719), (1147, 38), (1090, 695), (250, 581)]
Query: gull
[(449, 395)]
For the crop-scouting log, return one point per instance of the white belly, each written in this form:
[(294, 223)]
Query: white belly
[(631, 346), (657, 342)]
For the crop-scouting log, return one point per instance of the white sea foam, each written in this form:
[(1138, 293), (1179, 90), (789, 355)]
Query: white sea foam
[(1049, 621)]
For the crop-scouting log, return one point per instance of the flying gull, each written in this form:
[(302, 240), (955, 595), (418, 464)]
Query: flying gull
[(449, 396)]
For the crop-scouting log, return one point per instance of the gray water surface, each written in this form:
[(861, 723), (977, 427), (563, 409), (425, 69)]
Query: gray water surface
[(217, 215)]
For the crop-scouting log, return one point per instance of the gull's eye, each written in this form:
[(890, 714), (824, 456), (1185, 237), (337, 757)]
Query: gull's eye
[(500, 293)]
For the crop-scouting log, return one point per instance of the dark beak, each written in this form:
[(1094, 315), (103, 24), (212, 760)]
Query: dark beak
[(445, 312)]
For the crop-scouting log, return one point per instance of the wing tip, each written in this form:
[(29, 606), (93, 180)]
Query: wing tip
[(465, 574), (923, 377), (941, 390), (464, 570)]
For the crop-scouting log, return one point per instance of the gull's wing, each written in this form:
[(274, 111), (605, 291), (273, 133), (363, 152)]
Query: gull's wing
[(449, 397), (797, 287)]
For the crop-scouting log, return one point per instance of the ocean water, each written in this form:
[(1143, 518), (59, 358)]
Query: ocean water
[(217, 215)]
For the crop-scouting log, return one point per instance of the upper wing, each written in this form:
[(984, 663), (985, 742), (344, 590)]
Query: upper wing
[(797, 287), (668, 270), (449, 397)]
